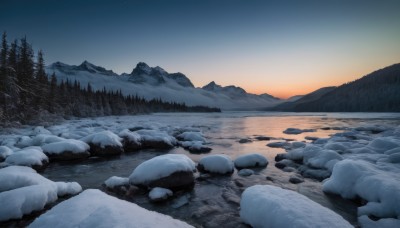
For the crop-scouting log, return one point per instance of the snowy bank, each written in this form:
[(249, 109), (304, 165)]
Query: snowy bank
[(270, 206)]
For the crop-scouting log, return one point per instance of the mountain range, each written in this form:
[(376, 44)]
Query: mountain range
[(155, 82), (378, 91)]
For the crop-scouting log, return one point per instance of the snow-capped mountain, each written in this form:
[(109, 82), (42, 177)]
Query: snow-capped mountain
[(155, 82)]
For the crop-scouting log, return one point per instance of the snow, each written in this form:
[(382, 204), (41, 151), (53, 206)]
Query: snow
[(161, 166), (40, 130), (70, 145), (115, 181), (43, 139), (23, 191), (195, 146), (29, 156), (4, 152), (372, 182), (192, 136), (159, 194), (93, 208), (250, 160), (24, 141), (366, 222), (131, 136), (103, 139), (271, 206), (218, 163)]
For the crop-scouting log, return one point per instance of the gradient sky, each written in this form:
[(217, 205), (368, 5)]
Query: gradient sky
[(283, 48)]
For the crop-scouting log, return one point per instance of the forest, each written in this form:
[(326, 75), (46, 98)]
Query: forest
[(29, 95)]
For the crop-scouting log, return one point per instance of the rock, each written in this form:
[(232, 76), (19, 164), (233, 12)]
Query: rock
[(156, 139), (312, 138), (4, 152), (67, 150), (286, 163), (296, 180), (96, 150), (278, 144), (280, 157), (245, 172), (245, 141), (31, 156), (195, 147), (159, 194), (104, 143), (205, 210), (288, 169), (262, 138), (296, 131)]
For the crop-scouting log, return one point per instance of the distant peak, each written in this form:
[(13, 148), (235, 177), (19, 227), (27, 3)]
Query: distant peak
[(142, 65)]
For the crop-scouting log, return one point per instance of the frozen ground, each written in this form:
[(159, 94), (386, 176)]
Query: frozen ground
[(366, 145)]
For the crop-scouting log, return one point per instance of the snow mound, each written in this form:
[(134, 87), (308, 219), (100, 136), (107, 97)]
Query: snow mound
[(383, 144), (218, 163), (159, 194), (115, 181), (103, 139), (195, 146), (270, 206), (250, 160), (24, 141), (70, 145), (4, 152), (41, 130), (93, 208), (43, 139), (30, 156), (23, 191), (161, 166), (132, 137), (356, 178)]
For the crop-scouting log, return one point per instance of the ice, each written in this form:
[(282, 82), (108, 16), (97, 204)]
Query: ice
[(93, 208), (23, 191), (30, 156), (115, 181), (103, 139), (250, 160), (70, 145), (161, 166), (217, 163), (379, 184), (271, 206), (4, 152), (159, 194)]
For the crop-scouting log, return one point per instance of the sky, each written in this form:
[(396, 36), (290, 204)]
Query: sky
[(282, 48)]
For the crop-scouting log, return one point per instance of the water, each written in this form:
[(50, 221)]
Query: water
[(215, 201)]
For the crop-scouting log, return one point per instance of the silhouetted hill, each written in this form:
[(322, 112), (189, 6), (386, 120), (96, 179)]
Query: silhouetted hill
[(378, 91)]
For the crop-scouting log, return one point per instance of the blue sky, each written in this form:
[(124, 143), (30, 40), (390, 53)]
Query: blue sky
[(280, 47)]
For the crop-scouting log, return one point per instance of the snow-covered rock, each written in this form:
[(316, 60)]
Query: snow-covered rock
[(4, 152), (379, 184), (93, 208), (217, 163), (68, 149), (250, 160), (172, 171), (115, 181), (131, 140), (270, 206), (195, 146), (366, 222), (383, 144), (24, 141), (23, 191), (296, 131), (192, 136), (156, 139), (40, 130), (104, 143), (160, 194), (30, 156), (43, 139)]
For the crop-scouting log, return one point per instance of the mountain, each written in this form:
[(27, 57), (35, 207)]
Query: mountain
[(155, 82), (293, 102), (378, 91)]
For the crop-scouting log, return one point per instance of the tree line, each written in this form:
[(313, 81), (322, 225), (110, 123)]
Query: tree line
[(28, 94)]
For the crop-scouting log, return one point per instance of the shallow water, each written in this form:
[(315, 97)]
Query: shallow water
[(214, 201)]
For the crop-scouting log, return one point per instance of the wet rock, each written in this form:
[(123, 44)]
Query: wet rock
[(205, 210), (286, 163), (278, 144), (312, 138), (269, 178), (239, 183), (288, 169), (245, 141), (325, 128), (296, 180), (231, 197), (245, 172), (317, 174), (97, 150), (250, 161), (262, 138), (280, 157), (175, 181), (296, 131)]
